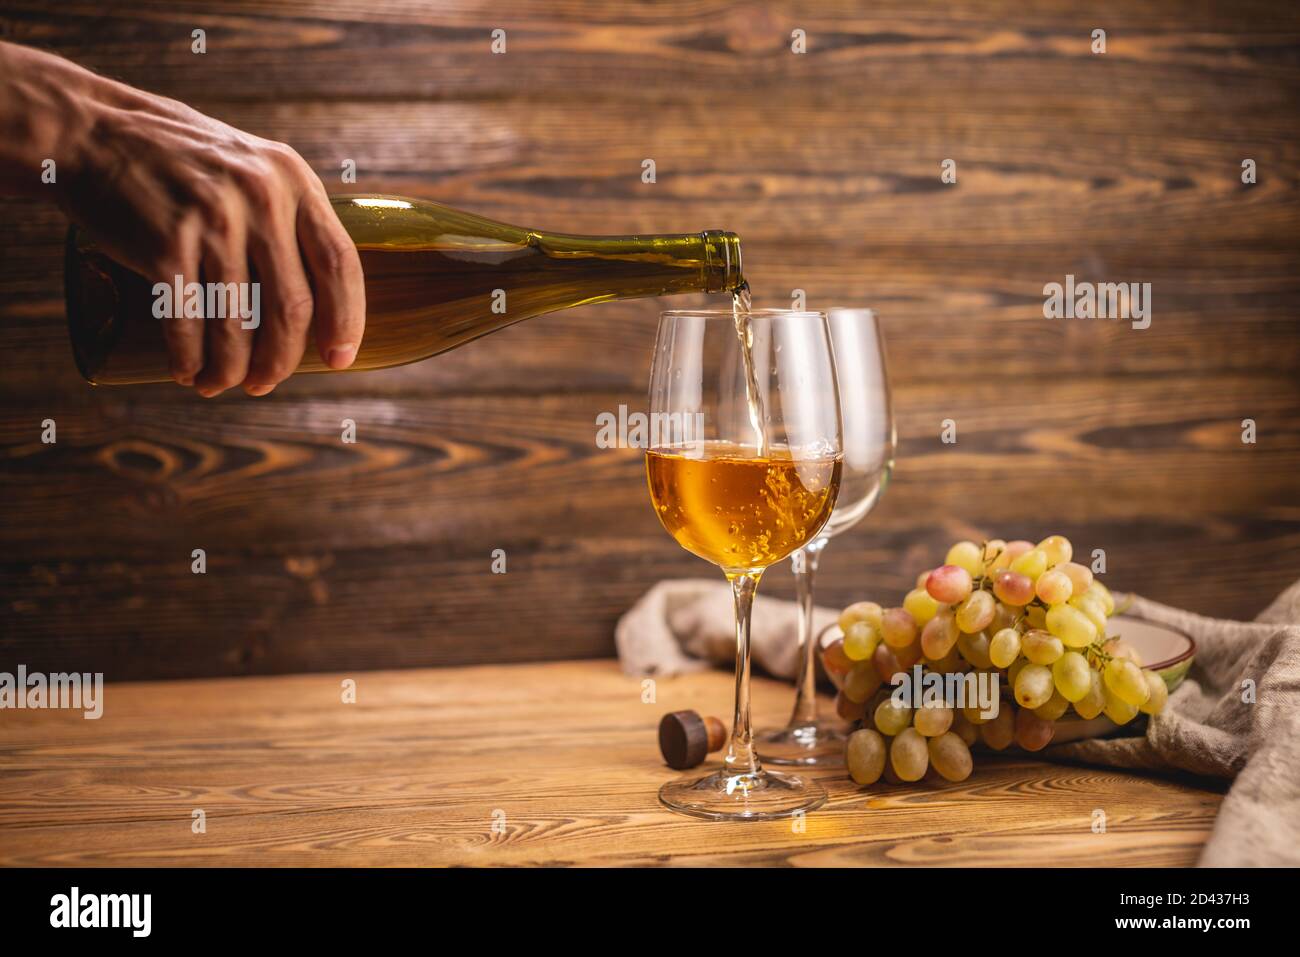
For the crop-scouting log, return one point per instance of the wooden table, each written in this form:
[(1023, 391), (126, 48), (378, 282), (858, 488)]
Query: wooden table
[(560, 756)]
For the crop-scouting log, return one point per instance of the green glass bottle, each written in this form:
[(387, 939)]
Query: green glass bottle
[(436, 278)]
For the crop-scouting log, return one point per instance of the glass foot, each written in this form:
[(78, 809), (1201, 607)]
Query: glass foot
[(809, 743), (764, 796)]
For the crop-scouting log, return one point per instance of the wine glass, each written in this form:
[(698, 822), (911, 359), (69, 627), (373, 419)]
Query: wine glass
[(868, 444), (743, 463)]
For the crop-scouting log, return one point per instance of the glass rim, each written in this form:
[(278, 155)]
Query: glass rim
[(866, 311), (753, 313)]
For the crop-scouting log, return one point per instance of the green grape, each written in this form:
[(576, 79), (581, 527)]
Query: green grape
[(1158, 696), (951, 663), (1119, 648), (975, 649), (1125, 679), (897, 627), (997, 564), (1031, 564), (861, 681), (867, 611), (976, 612), (1079, 575), (909, 755), (964, 729), (966, 555), (887, 662), (972, 714), (1041, 648), (908, 656), (1093, 610), (950, 756), (865, 755), (834, 660), (1013, 670), (920, 605), (948, 584), (1001, 731), (891, 718), (848, 709), (1013, 588), (992, 548), (1094, 702), (1117, 709), (1056, 706), (1004, 647), (1036, 616), (939, 635), (1057, 548), (1033, 686), (932, 721), (1053, 587), (1032, 732), (1072, 676), (920, 579), (1102, 592), (860, 641), (1071, 626), (1003, 617), (1014, 550)]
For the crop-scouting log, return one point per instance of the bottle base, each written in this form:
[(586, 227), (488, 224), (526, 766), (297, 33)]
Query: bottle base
[(818, 743)]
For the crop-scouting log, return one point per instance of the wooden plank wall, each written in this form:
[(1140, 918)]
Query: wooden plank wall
[(1116, 167)]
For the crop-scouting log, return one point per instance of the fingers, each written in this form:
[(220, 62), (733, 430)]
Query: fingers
[(335, 269), (228, 334), (184, 335), (286, 309), (307, 268)]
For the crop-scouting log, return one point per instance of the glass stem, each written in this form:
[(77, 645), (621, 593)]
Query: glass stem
[(741, 757), (804, 565)]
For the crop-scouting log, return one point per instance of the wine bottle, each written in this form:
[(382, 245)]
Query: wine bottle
[(436, 278)]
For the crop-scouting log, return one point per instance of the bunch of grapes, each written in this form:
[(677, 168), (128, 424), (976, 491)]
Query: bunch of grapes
[(1023, 611)]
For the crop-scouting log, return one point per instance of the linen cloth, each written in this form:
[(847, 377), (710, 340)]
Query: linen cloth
[(1236, 716)]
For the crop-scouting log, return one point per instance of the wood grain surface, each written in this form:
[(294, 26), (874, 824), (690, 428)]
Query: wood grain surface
[(324, 556), (563, 755)]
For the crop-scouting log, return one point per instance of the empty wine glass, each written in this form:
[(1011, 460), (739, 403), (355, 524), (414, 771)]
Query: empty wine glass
[(743, 466), (868, 454)]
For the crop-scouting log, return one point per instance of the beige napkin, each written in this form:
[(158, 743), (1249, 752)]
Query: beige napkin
[(1207, 729), (688, 624)]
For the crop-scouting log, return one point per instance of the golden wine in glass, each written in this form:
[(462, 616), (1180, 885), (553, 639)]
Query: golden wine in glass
[(743, 471)]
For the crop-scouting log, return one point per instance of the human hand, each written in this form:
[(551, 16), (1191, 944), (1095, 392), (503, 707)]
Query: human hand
[(168, 192)]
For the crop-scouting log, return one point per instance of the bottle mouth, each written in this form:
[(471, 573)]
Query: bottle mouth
[(722, 260)]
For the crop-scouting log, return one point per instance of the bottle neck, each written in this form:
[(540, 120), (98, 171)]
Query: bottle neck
[(722, 265), (707, 261)]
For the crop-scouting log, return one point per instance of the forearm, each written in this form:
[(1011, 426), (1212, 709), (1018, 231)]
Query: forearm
[(47, 108)]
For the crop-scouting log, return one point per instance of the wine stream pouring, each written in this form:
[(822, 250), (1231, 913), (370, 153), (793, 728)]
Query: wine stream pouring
[(741, 306), (436, 278)]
